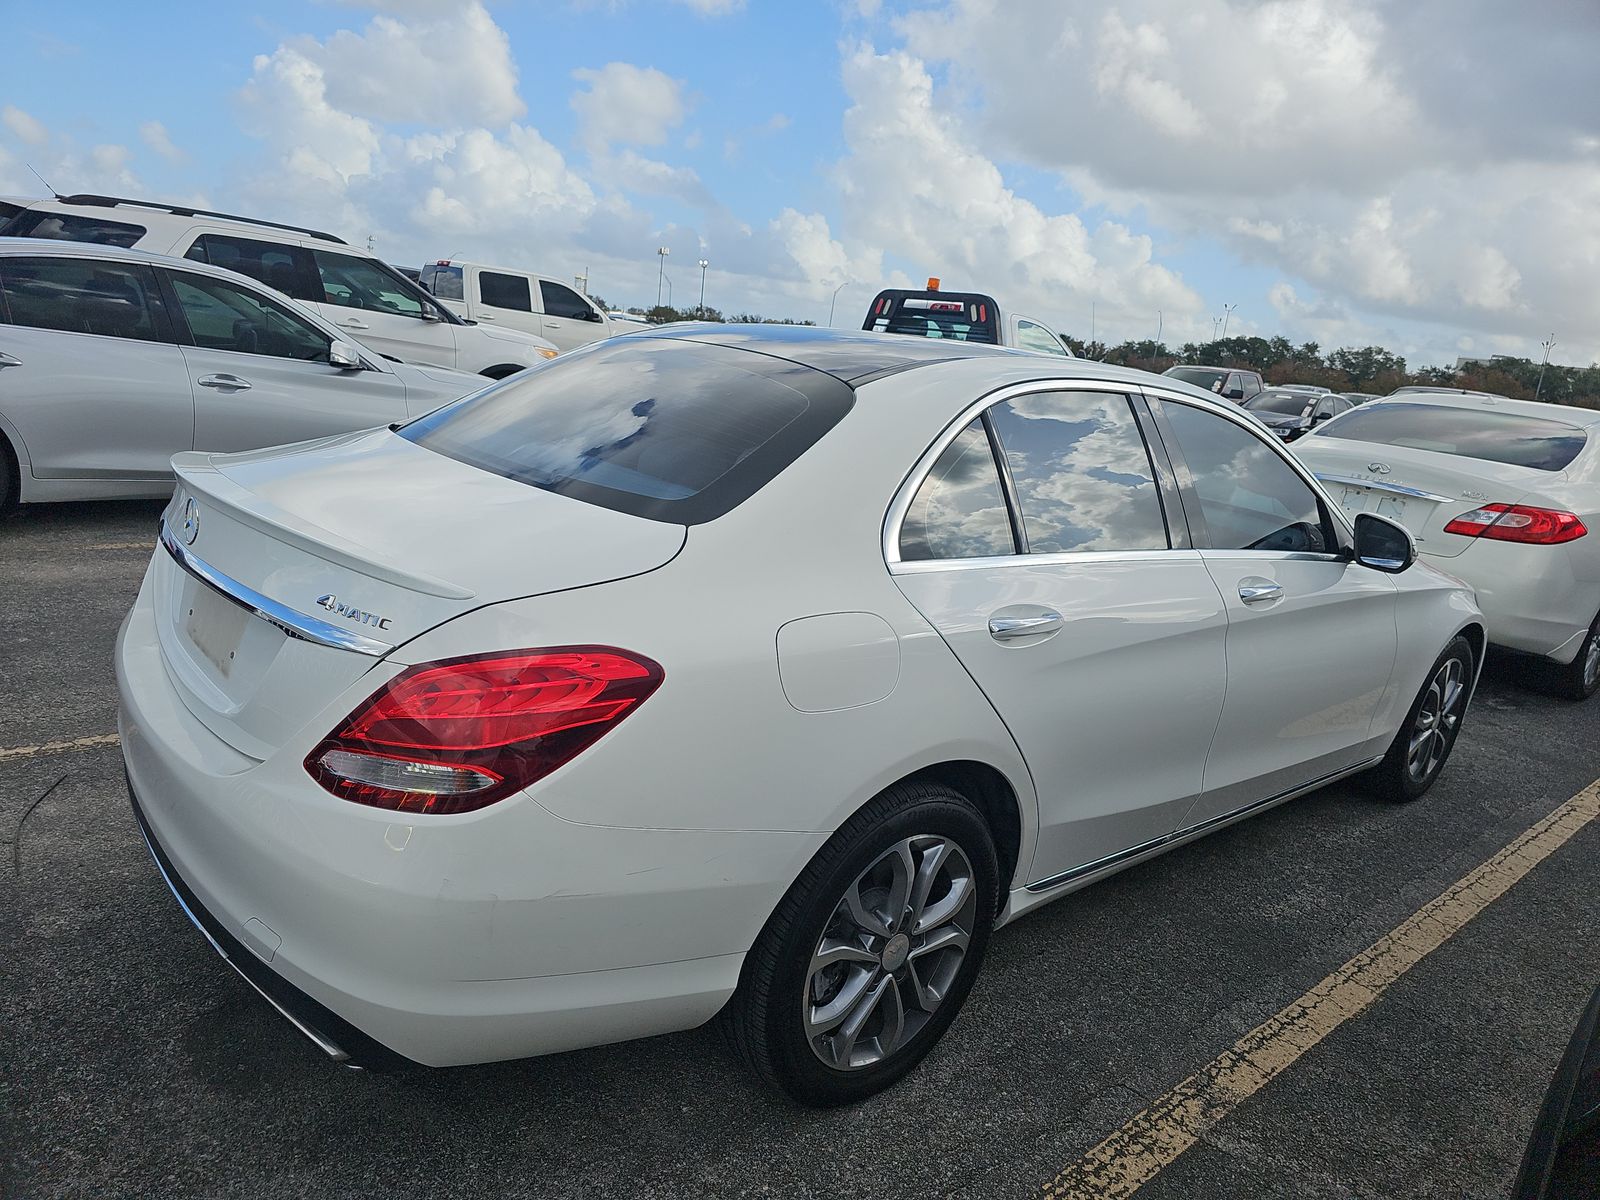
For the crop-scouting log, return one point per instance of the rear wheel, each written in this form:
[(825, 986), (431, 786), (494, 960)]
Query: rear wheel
[(871, 954), (1580, 678), (1422, 747), (10, 484)]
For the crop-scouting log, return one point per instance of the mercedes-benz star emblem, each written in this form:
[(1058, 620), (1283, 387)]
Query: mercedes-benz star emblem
[(1378, 468), (191, 521)]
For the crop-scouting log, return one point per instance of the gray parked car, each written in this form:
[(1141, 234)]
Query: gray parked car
[(112, 361)]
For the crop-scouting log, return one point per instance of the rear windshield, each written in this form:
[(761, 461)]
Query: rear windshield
[(443, 280), (1502, 437), (1202, 377), (66, 227), (1283, 403), (671, 430), (963, 316)]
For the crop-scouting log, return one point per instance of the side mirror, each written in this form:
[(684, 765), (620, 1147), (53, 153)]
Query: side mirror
[(1321, 417), (1233, 394), (1383, 545), (596, 315), (345, 356)]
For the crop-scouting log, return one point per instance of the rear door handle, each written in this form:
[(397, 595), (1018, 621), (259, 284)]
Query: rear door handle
[(230, 383), (354, 323), (1004, 629), (1260, 593), (552, 324), (9, 360)]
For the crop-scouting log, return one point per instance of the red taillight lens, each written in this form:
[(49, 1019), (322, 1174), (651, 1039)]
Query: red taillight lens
[(454, 736), (1519, 523)]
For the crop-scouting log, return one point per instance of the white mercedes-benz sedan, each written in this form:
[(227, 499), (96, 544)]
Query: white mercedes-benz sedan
[(1504, 494), (749, 671)]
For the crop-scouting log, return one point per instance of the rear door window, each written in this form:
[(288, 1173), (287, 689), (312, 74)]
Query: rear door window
[(659, 428), (82, 295), (70, 227), (505, 291), (1082, 472), (1501, 437), (286, 268), (959, 510)]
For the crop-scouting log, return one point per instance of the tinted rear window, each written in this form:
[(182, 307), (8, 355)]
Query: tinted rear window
[(444, 281), (1202, 377), (65, 227), (1502, 437), (670, 430), (963, 316)]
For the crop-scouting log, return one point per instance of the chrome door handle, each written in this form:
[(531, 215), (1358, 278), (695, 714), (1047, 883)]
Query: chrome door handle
[(1003, 629), (552, 324), (227, 382), (1255, 593), (8, 360), (354, 323), (485, 317)]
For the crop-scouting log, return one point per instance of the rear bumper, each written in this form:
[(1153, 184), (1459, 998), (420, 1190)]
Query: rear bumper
[(503, 934), (1533, 598)]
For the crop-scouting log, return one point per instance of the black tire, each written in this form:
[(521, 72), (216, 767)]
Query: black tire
[(766, 1020), (10, 483), (1398, 776), (1580, 678)]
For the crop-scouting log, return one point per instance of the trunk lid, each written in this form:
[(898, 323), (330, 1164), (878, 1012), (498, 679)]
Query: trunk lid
[(1422, 489), (308, 564)]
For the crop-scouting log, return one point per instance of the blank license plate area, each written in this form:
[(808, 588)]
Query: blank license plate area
[(214, 627), (1360, 499)]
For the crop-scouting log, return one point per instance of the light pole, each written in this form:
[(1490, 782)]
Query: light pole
[(835, 300), (1547, 344), (1216, 324), (703, 265), (1157, 348), (1227, 311), (661, 275)]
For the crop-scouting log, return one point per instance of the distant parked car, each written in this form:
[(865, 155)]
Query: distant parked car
[(628, 322), (1310, 388), (962, 316), (1230, 383), (1417, 389), (1289, 413), (112, 361), (1504, 494), (412, 273), (366, 298), (1358, 397), (515, 299)]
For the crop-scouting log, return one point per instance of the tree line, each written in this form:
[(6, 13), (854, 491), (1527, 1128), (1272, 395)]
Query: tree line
[(1363, 369), (665, 314)]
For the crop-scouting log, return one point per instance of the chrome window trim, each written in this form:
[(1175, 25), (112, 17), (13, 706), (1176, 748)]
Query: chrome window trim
[(1070, 558), (292, 622), (1266, 438), (901, 505), (1399, 489)]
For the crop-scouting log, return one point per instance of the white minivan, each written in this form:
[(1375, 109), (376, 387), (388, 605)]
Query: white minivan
[(514, 299), (370, 301)]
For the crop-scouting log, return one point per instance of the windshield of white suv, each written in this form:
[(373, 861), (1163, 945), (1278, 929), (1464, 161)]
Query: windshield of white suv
[(1502, 437), (68, 227)]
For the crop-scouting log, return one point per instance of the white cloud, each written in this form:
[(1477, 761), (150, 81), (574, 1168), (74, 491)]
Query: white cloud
[(154, 135), (627, 105), (24, 126)]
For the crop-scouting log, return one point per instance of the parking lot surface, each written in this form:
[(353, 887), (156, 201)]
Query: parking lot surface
[(135, 1063)]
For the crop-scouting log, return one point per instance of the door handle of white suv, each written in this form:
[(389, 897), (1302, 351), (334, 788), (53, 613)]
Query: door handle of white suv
[(483, 316), (231, 383), (354, 323), (1260, 592), (1004, 629), (9, 360), (552, 324)]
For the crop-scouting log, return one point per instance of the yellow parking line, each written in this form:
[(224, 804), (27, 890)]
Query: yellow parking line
[(1153, 1140), (83, 743)]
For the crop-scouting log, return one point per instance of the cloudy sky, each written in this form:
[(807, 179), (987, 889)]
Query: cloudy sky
[(1421, 174)]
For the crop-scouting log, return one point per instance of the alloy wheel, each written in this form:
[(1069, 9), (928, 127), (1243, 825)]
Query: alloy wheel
[(1437, 719), (891, 950)]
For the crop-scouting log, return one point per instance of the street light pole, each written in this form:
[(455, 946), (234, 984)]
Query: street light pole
[(1547, 344), (1227, 311), (703, 265), (835, 300), (661, 275)]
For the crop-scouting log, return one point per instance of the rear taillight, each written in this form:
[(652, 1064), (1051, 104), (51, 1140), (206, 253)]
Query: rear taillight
[(454, 736), (1519, 523)]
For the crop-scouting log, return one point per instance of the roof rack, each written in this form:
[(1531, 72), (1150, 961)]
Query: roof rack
[(184, 211)]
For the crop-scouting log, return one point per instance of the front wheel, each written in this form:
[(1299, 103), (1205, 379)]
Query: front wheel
[(1422, 747), (869, 957), (1580, 678)]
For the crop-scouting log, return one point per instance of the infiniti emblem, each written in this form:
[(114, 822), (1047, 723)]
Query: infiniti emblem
[(191, 521), (1378, 468)]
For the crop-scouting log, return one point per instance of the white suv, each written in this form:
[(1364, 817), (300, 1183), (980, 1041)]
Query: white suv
[(367, 299)]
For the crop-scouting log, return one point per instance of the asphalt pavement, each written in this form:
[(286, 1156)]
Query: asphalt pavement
[(134, 1063)]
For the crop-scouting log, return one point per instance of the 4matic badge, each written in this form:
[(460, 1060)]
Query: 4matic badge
[(339, 608)]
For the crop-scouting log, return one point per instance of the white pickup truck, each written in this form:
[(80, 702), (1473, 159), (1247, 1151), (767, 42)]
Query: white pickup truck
[(964, 316), (515, 299)]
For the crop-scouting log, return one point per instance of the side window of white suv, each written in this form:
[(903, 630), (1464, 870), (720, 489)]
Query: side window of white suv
[(352, 282)]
